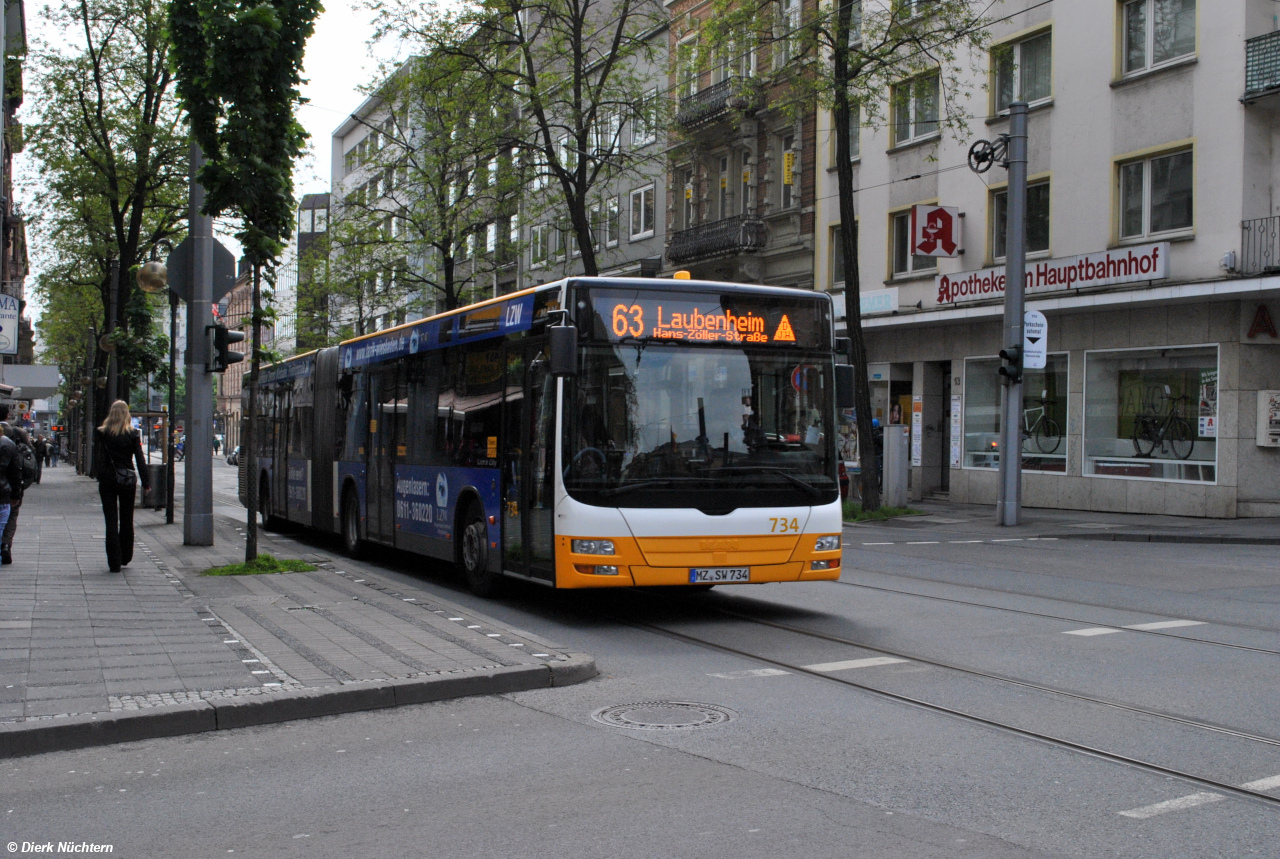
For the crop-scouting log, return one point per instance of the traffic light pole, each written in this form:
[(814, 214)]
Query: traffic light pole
[(197, 513), (1009, 502)]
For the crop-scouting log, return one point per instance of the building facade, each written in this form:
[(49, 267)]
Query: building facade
[(1153, 239)]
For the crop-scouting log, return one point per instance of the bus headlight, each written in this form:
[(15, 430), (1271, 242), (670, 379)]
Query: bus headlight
[(827, 544), (594, 547), (600, 570)]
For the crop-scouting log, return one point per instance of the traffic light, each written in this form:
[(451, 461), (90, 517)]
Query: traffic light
[(220, 354), (1012, 367)]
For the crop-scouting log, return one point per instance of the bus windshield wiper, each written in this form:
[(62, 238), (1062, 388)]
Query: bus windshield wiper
[(808, 487)]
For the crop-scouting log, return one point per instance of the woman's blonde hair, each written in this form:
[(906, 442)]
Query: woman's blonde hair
[(119, 421)]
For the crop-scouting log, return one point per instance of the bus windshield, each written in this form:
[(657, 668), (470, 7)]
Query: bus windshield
[(649, 424)]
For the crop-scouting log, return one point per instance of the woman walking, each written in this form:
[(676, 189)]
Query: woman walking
[(118, 446)]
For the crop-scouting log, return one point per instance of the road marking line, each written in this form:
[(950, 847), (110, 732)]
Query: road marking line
[(1096, 630), (853, 663), (1189, 801), (964, 541), (877, 544), (922, 542), (1166, 624), (753, 672), (1007, 540), (1263, 784), (246, 661)]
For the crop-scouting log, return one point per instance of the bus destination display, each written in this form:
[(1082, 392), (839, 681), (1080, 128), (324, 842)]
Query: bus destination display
[(710, 318)]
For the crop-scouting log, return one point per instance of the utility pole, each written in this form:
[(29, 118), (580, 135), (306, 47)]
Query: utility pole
[(1011, 151), (197, 514)]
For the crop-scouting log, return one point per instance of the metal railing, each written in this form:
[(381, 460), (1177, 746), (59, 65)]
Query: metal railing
[(740, 234), (1260, 245), (1261, 64), (707, 104)]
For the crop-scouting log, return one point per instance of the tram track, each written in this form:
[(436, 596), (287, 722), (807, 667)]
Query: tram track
[(975, 718), (1048, 616)]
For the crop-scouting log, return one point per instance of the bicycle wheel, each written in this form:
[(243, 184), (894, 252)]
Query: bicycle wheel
[(1048, 436), (1181, 438), (1144, 435)]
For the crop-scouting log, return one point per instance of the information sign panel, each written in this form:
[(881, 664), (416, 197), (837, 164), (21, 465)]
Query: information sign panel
[(1035, 340)]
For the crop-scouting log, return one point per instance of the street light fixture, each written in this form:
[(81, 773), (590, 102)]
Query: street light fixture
[(153, 277)]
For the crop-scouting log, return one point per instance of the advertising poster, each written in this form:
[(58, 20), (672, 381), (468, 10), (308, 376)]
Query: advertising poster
[(917, 431), (848, 439), (1209, 403), (9, 311), (956, 436)]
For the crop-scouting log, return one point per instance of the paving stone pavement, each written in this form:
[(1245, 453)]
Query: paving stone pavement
[(78, 639)]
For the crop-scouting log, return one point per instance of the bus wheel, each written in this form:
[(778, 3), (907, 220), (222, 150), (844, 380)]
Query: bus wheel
[(351, 541), (474, 554)]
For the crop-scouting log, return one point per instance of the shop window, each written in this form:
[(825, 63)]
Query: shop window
[(905, 263), (1037, 220), (1157, 32), (1044, 415), (915, 109), (1023, 71), (1156, 195), (1152, 413)]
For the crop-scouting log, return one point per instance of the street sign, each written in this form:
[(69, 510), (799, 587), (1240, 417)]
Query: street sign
[(935, 231), (179, 265), (1035, 340)]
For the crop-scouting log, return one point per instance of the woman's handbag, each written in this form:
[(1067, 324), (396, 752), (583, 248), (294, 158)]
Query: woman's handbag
[(126, 478)]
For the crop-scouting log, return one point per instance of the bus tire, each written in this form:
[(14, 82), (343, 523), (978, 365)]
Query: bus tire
[(473, 554), (351, 542)]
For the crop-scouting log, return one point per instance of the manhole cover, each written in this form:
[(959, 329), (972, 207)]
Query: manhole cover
[(664, 715)]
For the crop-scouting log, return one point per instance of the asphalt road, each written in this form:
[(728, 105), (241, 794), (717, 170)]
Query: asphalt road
[(939, 701)]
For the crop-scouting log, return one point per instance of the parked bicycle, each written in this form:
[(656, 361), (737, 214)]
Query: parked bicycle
[(1044, 429), (1170, 430)]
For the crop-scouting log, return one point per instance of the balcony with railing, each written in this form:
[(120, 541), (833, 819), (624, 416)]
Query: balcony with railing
[(740, 234), (732, 93), (1260, 246), (1261, 66)]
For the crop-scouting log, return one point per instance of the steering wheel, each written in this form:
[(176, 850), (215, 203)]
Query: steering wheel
[(587, 453)]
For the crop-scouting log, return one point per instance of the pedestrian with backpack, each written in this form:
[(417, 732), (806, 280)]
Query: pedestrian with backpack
[(10, 471), (117, 446), (29, 471)]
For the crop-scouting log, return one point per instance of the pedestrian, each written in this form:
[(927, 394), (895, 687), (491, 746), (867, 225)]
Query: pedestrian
[(217, 445), (54, 445), (41, 447), (19, 437), (117, 446), (10, 473)]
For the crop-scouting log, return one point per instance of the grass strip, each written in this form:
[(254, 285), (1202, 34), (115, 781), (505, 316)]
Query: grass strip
[(853, 512), (259, 565)]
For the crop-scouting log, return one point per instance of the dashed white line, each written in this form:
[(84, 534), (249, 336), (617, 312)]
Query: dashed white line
[(922, 542), (1166, 624), (1189, 801), (1096, 630), (1007, 540), (753, 672), (853, 663), (877, 544), (964, 541), (1263, 784)]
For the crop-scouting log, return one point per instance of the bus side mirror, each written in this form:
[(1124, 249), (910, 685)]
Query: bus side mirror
[(844, 386), (564, 350)]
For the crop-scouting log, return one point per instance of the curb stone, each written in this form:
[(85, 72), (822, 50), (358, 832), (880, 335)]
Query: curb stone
[(20, 739)]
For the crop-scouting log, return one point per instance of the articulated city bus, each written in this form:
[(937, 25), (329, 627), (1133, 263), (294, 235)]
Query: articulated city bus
[(592, 432)]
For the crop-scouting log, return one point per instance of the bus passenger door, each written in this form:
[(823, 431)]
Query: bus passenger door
[(528, 457), (380, 480)]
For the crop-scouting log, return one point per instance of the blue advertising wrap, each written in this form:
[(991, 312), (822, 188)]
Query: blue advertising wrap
[(427, 497), (493, 320)]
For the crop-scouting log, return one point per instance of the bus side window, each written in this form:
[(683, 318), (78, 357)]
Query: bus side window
[(346, 383), (446, 420), (423, 377), (357, 431)]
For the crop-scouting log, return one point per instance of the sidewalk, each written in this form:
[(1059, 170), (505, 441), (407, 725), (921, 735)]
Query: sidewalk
[(978, 522), (89, 657)]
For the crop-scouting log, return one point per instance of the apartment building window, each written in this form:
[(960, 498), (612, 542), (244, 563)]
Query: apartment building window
[(1157, 32), (1037, 220), (915, 109), (687, 68), (607, 133), (643, 125), (721, 68), (855, 134), (905, 263), (490, 237), (1156, 195), (1023, 71), (687, 207), (604, 223), (788, 31), (538, 250), (642, 215), (789, 190), (836, 241), (743, 54)]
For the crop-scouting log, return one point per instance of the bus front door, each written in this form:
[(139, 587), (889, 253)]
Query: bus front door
[(528, 460)]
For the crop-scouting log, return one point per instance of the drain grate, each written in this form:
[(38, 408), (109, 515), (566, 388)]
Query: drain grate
[(664, 715)]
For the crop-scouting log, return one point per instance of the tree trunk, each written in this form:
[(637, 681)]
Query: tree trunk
[(251, 419), (869, 476)]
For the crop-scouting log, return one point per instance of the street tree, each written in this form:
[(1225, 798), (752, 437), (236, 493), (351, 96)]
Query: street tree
[(573, 71), (110, 146), (846, 56), (239, 69)]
